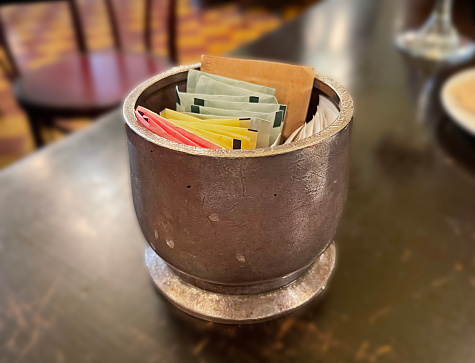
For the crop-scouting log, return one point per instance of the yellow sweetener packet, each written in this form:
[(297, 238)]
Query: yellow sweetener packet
[(252, 134), (224, 141), (248, 137), (175, 115)]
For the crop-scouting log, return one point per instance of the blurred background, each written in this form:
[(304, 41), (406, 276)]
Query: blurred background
[(37, 35)]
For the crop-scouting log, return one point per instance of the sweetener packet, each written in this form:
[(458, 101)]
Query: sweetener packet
[(195, 75)]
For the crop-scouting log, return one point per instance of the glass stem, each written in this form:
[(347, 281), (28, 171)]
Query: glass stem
[(441, 16), (443, 8), (439, 29)]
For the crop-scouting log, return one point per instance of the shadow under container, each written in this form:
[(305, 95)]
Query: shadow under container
[(238, 236)]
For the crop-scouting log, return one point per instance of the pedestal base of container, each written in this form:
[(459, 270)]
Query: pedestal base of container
[(241, 309)]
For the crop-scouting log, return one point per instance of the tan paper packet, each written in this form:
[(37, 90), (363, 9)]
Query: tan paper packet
[(293, 84)]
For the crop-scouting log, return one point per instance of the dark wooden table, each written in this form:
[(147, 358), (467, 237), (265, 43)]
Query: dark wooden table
[(74, 288)]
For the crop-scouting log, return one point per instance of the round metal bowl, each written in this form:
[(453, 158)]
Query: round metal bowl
[(238, 221)]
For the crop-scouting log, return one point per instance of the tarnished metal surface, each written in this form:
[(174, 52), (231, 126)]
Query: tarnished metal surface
[(241, 309), (238, 221)]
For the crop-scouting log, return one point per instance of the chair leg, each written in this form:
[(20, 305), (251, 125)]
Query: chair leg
[(36, 124)]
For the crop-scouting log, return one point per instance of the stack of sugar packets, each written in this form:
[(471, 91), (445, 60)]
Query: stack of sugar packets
[(325, 115), (220, 112)]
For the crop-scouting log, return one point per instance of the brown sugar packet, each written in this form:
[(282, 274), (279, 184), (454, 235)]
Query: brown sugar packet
[(293, 84)]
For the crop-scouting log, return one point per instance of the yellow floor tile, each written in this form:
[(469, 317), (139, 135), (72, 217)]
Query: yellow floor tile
[(190, 41), (219, 48), (14, 126), (4, 84), (54, 48), (40, 62)]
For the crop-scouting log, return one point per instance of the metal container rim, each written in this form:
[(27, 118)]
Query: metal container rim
[(344, 118)]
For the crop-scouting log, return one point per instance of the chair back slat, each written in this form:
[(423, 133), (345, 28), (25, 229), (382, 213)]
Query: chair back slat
[(171, 28), (114, 25), (172, 32), (77, 25), (148, 29)]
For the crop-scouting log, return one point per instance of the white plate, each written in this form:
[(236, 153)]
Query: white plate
[(459, 114)]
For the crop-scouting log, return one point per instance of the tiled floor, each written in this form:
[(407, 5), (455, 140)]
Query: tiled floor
[(42, 33)]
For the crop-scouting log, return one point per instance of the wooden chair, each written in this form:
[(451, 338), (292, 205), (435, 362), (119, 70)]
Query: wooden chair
[(86, 84)]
